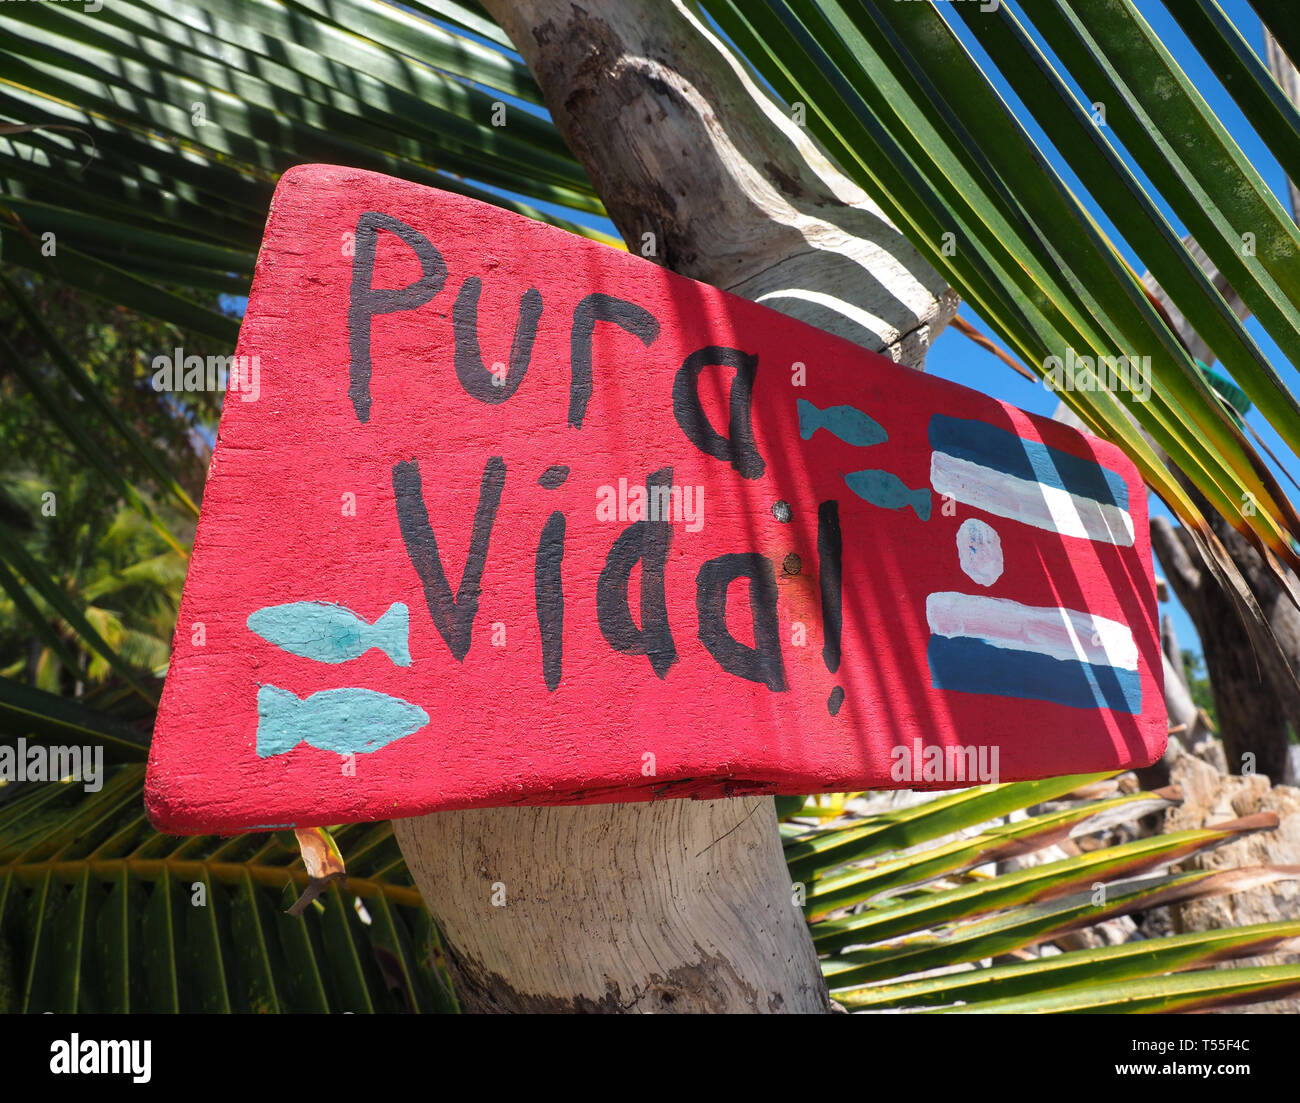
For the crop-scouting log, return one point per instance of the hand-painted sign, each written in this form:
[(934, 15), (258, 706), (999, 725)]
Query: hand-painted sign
[(517, 518)]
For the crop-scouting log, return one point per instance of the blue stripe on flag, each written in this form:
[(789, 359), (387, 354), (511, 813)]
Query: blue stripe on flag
[(1003, 451), (968, 665)]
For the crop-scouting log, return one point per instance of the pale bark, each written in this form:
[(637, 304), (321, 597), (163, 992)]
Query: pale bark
[(681, 143), (1184, 718), (678, 905), (681, 906)]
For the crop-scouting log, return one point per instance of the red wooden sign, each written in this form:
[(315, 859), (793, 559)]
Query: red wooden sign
[(511, 517)]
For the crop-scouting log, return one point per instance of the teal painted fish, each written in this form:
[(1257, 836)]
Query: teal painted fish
[(848, 423), (332, 633), (887, 490), (345, 721)]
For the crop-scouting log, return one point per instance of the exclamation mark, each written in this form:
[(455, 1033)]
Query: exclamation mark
[(830, 545)]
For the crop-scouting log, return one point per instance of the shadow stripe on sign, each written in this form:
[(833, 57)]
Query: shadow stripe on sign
[(996, 471), (994, 645), (539, 522)]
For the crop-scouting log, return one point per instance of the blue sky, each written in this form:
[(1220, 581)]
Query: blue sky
[(954, 357), (957, 358)]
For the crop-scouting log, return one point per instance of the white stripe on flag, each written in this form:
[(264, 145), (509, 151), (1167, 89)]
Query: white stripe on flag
[(1059, 633), (1033, 503)]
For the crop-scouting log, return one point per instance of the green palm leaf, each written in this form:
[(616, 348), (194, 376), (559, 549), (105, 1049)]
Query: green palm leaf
[(148, 141), (98, 912), (892, 929), (907, 112)]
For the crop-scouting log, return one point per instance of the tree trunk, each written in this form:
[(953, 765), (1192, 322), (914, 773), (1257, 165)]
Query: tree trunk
[(678, 905), (682, 145), (1255, 692), (675, 905), (1255, 696)]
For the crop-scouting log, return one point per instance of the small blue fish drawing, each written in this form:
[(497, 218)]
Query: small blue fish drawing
[(345, 721), (848, 423), (887, 490), (332, 633)]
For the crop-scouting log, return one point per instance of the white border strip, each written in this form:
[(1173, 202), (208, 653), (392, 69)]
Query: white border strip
[(1059, 633), (1033, 503)]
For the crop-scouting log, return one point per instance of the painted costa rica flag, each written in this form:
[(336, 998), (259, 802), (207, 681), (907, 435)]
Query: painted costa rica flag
[(995, 644), (512, 517)]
